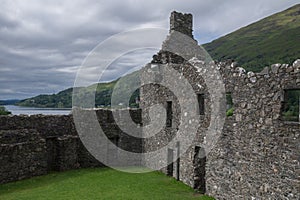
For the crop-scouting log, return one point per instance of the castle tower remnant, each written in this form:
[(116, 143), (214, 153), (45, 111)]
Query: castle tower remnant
[(182, 23)]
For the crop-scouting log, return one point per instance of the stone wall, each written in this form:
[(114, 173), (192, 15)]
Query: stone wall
[(23, 154), (257, 153), (34, 145), (182, 23)]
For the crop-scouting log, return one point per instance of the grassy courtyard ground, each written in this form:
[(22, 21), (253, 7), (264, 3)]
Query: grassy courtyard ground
[(99, 184)]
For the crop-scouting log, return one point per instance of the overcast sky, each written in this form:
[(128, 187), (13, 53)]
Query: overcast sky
[(44, 42)]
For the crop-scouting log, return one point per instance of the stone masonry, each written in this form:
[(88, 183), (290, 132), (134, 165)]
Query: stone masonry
[(35, 145), (257, 153)]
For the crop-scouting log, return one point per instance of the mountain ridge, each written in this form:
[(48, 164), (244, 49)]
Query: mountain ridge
[(274, 39)]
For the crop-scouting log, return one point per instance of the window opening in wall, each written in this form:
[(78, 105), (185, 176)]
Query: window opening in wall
[(229, 104), (134, 101), (201, 102), (169, 114), (290, 108), (178, 161), (199, 163), (170, 166)]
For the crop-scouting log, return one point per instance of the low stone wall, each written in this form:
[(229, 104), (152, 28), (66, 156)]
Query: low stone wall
[(34, 145), (46, 125), (23, 154)]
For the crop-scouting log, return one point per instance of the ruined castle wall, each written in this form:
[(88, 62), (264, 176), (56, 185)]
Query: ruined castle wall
[(257, 154), (23, 154), (47, 125), (34, 145), (152, 94)]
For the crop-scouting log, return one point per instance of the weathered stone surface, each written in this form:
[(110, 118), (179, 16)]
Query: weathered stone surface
[(275, 67), (23, 154), (296, 64), (265, 71), (182, 23), (257, 154), (34, 145)]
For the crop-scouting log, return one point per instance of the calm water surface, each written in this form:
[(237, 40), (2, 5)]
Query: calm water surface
[(18, 110)]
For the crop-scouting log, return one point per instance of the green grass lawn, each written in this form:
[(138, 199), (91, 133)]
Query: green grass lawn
[(99, 183)]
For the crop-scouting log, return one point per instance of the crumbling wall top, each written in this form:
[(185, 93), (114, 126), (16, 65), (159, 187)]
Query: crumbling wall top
[(182, 23)]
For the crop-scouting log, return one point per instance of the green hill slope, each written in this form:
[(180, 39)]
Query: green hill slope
[(274, 39), (62, 99), (103, 95), (9, 102)]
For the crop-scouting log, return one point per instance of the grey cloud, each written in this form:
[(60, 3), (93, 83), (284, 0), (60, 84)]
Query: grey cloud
[(7, 23), (43, 43)]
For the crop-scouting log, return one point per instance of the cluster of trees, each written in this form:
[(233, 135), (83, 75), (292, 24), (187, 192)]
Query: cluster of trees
[(48, 101), (101, 92), (3, 111)]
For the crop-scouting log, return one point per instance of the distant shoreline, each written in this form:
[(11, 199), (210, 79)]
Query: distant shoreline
[(19, 110)]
